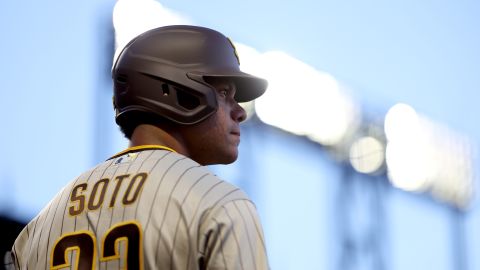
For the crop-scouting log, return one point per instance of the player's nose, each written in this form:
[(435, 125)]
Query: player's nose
[(238, 113)]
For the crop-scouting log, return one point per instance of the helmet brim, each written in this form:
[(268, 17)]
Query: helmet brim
[(249, 87)]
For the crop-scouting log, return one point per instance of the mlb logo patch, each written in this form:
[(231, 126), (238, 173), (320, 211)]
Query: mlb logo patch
[(126, 158)]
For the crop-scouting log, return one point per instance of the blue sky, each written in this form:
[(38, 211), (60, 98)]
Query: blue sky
[(422, 53)]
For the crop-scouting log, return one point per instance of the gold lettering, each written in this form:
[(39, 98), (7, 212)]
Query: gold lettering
[(96, 197), (77, 196), (142, 177), (119, 180), (91, 202)]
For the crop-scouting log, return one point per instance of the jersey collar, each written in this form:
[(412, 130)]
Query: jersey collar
[(142, 148)]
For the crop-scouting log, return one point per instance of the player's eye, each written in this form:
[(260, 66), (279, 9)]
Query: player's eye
[(223, 93)]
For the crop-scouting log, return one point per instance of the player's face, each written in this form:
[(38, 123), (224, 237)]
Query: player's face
[(216, 139)]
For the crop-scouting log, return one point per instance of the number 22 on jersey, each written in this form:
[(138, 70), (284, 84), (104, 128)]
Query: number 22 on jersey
[(84, 244)]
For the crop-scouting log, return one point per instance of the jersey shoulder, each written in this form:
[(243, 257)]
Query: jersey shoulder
[(192, 185)]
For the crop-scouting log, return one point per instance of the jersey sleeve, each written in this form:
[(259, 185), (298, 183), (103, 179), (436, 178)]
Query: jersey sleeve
[(233, 238)]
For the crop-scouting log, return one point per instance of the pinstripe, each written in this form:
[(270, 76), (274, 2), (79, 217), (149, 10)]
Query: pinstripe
[(87, 180), (259, 231), (75, 223), (111, 212), (203, 197), (221, 198), (66, 203), (87, 216), (28, 237), (224, 196), (167, 207), (158, 188), (235, 236), (111, 215), (178, 222), (139, 167), (196, 211), (101, 208), (50, 230), (246, 229), (128, 168), (74, 229), (30, 240), (213, 206), (221, 244), (89, 221), (76, 217), (182, 214), (42, 228), (130, 172), (150, 171)]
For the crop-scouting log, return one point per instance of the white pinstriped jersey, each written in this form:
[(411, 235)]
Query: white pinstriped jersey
[(145, 208)]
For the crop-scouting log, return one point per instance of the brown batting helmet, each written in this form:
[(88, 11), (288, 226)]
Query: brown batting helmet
[(165, 71)]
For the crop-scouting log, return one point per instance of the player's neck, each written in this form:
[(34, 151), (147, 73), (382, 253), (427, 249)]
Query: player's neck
[(152, 135)]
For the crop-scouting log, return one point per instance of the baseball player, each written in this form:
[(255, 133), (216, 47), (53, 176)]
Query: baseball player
[(155, 205)]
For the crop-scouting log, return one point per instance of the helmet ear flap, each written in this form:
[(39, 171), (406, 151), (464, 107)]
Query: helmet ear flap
[(149, 93), (187, 99), (178, 95), (184, 98)]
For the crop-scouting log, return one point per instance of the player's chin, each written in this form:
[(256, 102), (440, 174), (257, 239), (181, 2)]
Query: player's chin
[(229, 156)]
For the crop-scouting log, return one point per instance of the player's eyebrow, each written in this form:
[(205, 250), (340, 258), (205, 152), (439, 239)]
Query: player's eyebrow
[(228, 86)]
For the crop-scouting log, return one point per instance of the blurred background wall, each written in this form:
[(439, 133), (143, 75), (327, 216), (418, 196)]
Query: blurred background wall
[(326, 202)]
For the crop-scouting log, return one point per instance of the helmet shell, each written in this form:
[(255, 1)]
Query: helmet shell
[(164, 71)]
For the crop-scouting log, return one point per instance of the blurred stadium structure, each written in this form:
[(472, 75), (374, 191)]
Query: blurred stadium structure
[(368, 156), (418, 154)]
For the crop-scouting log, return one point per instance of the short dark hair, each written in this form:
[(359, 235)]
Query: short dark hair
[(131, 120)]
